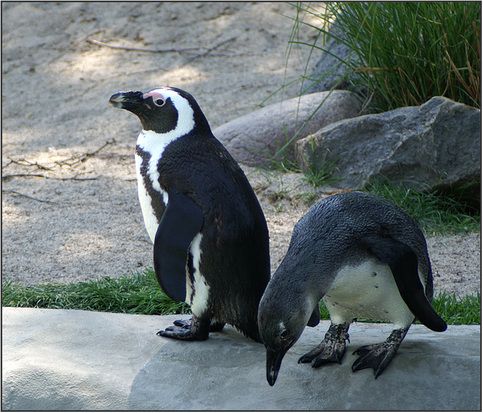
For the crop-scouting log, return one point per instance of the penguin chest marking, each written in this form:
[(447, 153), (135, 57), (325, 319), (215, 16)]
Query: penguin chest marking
[(197, 289), (152, 146), (367, 290), (150, 220)]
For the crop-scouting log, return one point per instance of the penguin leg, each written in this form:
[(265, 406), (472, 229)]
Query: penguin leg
[(378, 356), (215, 326), (331, 349), (198, 330)]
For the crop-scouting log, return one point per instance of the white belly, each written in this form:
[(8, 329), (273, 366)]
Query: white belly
[(154, 144), (368, 291)]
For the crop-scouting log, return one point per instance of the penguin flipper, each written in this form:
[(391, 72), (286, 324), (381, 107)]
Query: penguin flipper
[(180, 223), (403, 263)]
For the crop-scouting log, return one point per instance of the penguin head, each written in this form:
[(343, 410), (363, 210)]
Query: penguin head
[(163, 110), (281, 321)]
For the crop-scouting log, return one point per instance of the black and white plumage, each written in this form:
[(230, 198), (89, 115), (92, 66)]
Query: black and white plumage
[(209, 233), (366, 258)]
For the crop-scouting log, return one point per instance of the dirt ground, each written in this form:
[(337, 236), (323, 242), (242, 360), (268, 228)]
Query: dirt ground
[(70, 209)]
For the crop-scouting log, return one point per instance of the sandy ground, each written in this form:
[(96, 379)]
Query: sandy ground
[(70, 209)]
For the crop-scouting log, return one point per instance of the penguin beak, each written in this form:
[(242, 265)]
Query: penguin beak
[(274, 361), (126, 100)]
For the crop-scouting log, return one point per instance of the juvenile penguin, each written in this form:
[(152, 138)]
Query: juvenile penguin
[(209, 233), (365, 258)]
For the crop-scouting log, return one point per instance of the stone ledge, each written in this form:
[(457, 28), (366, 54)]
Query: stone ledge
[(81, 360)]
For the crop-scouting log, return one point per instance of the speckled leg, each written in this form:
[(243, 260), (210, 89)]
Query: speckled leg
[(378, 356), (215, 326), (197, 330), (331, 349)]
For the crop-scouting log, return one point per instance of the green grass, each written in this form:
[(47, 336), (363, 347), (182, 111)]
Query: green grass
[(437, 214), (317, 176), (308, 198), (140, 294), (404, 53), (466, 310), (136, 294)]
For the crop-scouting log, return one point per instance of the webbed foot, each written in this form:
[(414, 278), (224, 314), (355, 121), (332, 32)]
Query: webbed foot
[(331, 349), (215, 326), (378, 356), (194, 329)]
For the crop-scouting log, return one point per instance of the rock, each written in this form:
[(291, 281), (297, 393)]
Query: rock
[(255, 138), (330, 71), (275, 186), (81, 360), (432, 146)]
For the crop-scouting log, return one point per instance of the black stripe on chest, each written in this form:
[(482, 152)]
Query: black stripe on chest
[(157, 202)]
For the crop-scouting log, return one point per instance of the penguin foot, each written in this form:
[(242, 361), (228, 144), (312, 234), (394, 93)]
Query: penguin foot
[(194, 329), (181, 333), (215, 326), (182, 323), (331, 349), (378, 356)]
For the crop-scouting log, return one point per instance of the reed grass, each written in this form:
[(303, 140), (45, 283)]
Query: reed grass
[(404, 53)]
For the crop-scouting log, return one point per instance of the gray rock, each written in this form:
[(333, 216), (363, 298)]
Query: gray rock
[(81, 360), (330, 71), (255, 138), (432, 146)]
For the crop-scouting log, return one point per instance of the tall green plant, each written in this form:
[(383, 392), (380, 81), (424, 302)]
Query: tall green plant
[(403, 53)]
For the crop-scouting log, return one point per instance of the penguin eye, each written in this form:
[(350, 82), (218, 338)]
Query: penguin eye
[(284, 335), (159, 102)]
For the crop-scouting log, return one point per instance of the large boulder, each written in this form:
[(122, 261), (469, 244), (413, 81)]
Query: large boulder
[(82, 360), (254, 139), (330, 71), (432, 146)]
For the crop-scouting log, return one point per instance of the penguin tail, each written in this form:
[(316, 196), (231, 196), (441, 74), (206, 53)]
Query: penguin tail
[(403, 263), (425, 313)]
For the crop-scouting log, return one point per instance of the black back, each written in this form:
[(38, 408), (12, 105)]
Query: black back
[(235, 251), (330, 235)]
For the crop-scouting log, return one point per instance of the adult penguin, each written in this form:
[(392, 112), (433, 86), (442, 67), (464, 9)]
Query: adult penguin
[(366, 258), (209, 233)]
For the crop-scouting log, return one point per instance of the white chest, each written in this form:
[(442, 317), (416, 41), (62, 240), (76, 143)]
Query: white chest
[(153, 144), (368, 291), (150, 221)]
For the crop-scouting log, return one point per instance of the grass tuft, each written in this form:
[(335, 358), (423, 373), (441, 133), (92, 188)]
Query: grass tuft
[(453, 310), (136, 294), (320, 175), (437, 214), (404, 53), (140, 294)]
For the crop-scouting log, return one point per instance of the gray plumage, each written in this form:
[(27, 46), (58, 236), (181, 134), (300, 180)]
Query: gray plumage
[(366, 258)]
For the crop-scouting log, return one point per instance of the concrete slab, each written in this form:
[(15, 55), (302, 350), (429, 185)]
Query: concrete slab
[(69, 359)]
